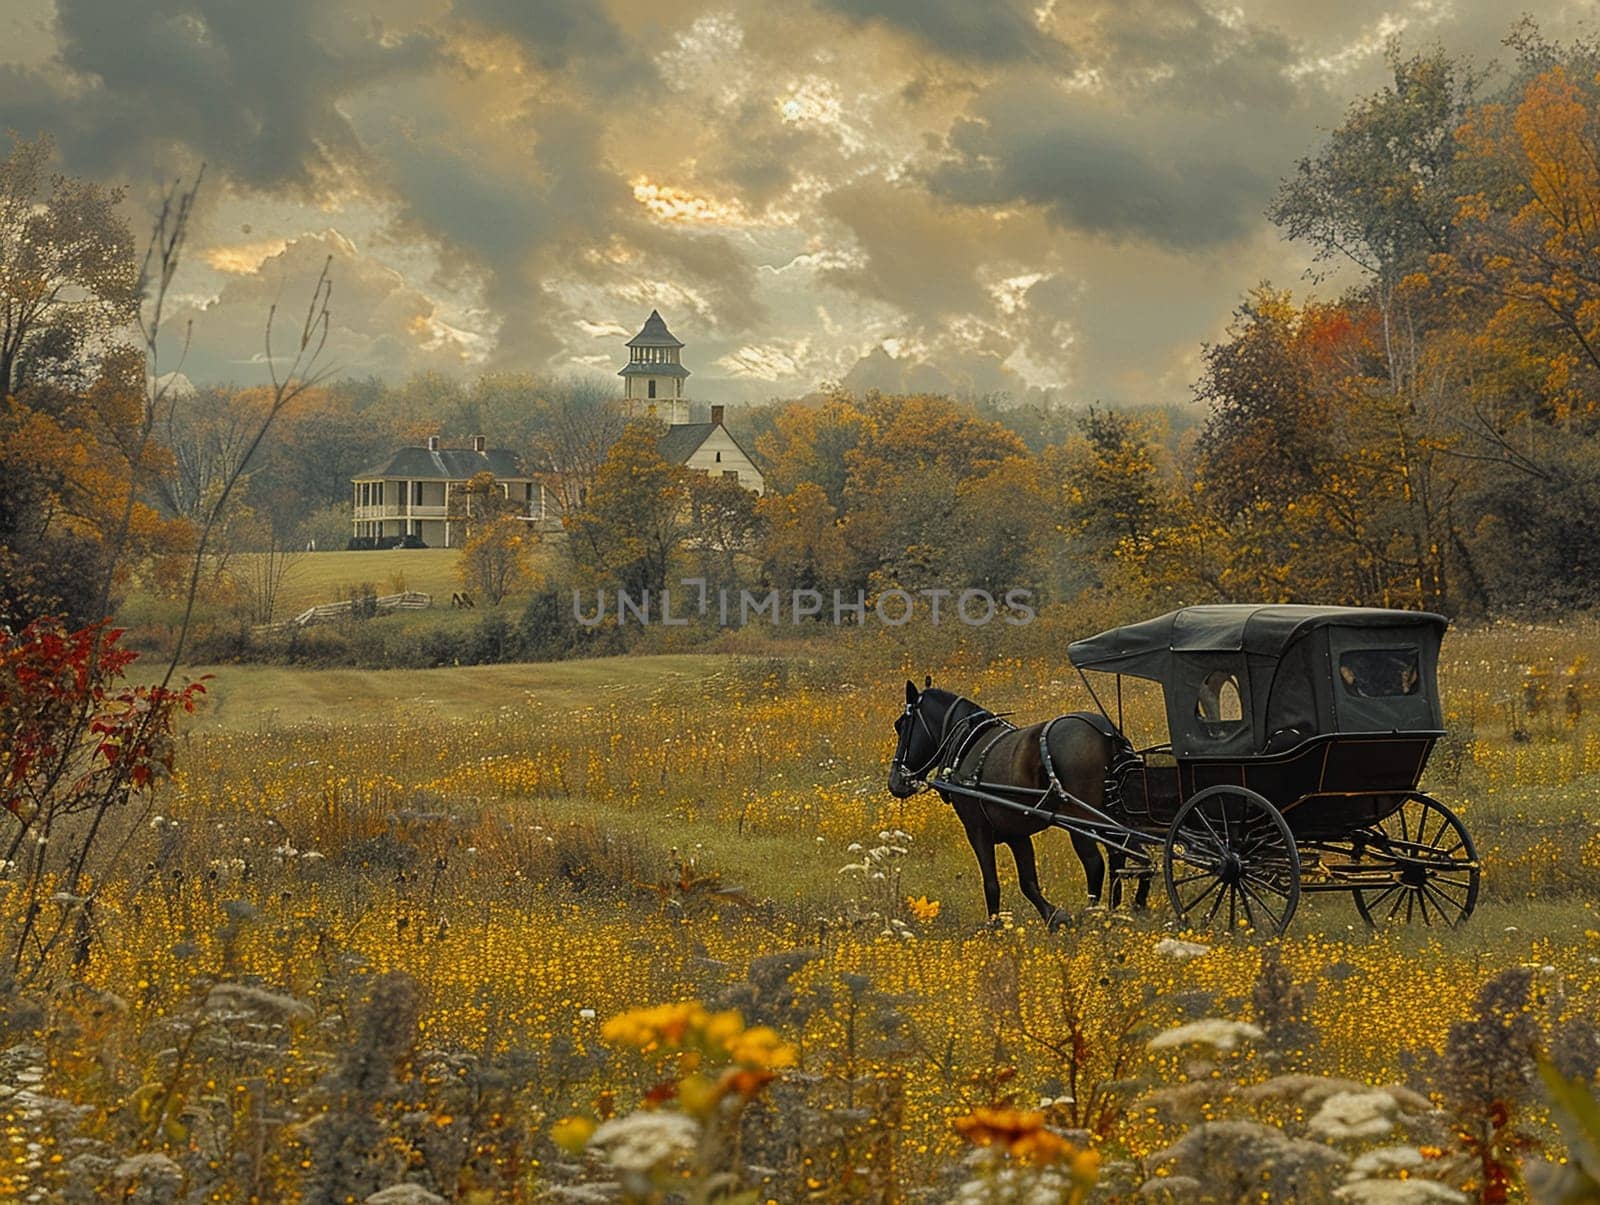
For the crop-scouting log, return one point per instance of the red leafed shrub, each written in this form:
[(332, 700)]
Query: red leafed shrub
[(73, 734)]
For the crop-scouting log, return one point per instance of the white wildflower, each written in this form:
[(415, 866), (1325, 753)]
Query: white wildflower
[(642, 1142), (1216, 1032)]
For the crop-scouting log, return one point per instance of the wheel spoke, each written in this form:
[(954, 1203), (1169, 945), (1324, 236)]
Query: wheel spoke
[(1200, 899), (1422, 829), (1277, 919), (1444, 887), (1398, 900), (1220, 838), (1216, 904), (1446, 908), (1266, 884), (1381, 896)]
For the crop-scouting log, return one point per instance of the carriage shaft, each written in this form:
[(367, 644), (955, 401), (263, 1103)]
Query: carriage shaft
[(1097, 826)]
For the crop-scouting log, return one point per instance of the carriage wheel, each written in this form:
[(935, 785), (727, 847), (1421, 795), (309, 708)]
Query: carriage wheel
[(1435, 867), (1231, 859)]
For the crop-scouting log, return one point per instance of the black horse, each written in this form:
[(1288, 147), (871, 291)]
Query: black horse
[(942, 731)]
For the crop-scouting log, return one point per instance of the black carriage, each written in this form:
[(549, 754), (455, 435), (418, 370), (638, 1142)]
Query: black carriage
[(1298, 739)]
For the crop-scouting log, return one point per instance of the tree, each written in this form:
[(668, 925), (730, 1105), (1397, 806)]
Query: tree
[(637, 516), (1262, 443), (725, 522), (481, 501), (80, 745), (810, 443), (802, 543), (68, 274), (579, 421), (1531, 228), (206, 431), (1381, 192), (1113, 480), (494, 560), (74, 470), (306, 464), (1005, 526)]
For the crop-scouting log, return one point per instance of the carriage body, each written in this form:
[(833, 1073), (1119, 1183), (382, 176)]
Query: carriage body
[(1315, 721)]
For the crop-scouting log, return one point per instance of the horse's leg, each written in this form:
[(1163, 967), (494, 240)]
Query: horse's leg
[(1028, 877), (981, 838), (1141, 896), (1094, 866)]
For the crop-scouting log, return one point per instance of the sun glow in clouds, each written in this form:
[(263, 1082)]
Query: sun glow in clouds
[(241, 259), (679, 205)]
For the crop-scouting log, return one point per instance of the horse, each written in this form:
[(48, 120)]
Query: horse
[(940, 730)]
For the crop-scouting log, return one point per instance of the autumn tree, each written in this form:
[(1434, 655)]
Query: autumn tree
[(1006, 527), (494, 560), (809, 444), (84, 744), (1527, 358), (68, 274), (903, 486), (1311, 464), (1381, 191), (802, 543), (725, 521), (637, 514)]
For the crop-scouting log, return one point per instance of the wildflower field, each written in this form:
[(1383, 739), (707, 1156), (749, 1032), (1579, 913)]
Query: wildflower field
[(673, 940)]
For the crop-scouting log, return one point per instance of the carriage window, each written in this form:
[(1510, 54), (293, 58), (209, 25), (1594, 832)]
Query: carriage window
[(1219, 699), (1380, 673)]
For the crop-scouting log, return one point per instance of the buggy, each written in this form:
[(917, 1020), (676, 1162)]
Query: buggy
[(1298, 739)]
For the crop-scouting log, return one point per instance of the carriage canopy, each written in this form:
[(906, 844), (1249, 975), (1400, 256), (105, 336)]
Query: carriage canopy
[(1243, 680)]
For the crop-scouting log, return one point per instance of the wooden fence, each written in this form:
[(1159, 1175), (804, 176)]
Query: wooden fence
[(411, 600)]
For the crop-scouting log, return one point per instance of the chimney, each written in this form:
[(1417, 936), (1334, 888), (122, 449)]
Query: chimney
[(433, 443), (716, 415), (477, 443)]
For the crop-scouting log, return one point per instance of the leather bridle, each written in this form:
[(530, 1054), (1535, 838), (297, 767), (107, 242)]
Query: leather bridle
[(964, 728)]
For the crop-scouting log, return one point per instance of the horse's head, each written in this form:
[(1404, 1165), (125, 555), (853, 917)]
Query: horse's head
[(920, 730)]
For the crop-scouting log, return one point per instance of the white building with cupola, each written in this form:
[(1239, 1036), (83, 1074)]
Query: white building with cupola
[(653, 386)]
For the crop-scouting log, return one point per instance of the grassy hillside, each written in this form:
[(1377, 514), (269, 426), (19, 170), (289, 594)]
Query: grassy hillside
[(264, 696), (319, 577)]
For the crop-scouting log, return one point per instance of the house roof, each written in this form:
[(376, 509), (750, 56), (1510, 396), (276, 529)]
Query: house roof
[(448, 464), (654, 333), (683, 440), (639, 368)]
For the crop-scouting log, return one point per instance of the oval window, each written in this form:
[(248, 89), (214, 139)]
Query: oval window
[(1219, 701)]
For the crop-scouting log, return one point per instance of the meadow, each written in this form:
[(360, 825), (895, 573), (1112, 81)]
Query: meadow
[(652, 927)]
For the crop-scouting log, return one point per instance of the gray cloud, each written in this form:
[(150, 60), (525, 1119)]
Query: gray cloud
[(558, 34), (994, 31), (1089, 175), (252, 89)]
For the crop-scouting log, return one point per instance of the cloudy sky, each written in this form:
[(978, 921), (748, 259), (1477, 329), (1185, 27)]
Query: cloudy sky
[(957, 194)]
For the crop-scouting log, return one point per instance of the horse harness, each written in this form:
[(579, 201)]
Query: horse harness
[(985, 720)]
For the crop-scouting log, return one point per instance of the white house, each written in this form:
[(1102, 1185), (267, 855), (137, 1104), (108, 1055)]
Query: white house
[(409, 496)]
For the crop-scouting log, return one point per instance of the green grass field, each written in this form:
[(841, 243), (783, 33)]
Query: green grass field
[(323, 577), (261, 696)]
